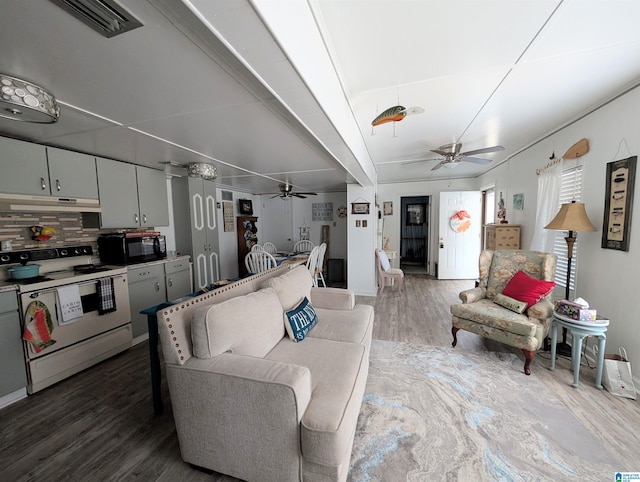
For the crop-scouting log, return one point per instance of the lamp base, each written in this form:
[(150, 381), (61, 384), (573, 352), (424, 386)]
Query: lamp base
[(563, 349)]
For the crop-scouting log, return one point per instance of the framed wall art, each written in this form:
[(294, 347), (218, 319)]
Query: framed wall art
[(387, 209), (518, 202), (245, 206), (360, 208), (618, 203)]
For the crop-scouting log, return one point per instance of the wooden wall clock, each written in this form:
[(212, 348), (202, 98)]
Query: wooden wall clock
[(618, 204)]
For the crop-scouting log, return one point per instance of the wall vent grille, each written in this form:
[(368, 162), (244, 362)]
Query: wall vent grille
[(104, 16)]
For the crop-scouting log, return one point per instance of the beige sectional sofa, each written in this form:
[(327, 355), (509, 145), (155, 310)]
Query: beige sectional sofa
[(250, 402)]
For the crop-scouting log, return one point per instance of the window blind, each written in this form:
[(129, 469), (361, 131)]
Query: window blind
[(570, 190)]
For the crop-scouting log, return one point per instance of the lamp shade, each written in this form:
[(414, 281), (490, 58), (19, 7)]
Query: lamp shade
[(571, 217)]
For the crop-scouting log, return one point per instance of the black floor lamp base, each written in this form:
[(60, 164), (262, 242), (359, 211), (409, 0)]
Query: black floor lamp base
[(563, 349)]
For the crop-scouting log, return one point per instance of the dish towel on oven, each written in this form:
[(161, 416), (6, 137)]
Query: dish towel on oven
[(70, 303), (106, 296)]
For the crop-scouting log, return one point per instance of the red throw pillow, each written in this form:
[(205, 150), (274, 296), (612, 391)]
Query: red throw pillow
[(523, 287)]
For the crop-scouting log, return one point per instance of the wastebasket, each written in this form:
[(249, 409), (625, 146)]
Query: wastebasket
[(335, 270)]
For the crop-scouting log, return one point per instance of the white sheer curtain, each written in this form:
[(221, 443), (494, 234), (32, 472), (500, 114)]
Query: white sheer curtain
[(548, 204)]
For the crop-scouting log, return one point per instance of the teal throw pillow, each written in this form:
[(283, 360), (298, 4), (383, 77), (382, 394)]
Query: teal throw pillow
[(300, 320), (510, 303)]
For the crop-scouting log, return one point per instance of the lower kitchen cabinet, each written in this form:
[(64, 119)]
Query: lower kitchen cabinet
[(146, 288), (13, 375), (177, 278), (153, 284)]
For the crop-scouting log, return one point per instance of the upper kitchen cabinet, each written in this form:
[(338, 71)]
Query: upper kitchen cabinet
[(25, 170), (152, 196), (131, 196), (72, 174)]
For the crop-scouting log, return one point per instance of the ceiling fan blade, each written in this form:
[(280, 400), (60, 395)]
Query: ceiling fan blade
[(420, 160), (475, 160), (277, 195), (437, 166), (308, 193), (442, 153), (296, 194), (484, 150)]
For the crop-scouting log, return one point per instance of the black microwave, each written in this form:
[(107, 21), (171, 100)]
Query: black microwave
[(130, 248)]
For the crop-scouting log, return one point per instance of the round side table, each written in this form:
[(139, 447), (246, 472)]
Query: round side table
[(579, 330)]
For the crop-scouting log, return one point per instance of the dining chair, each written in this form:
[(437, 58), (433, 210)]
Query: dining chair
[(257, 247), (269, 248), (385, 271), (303, 246), (259, 261), (311, 263), (317, 272)]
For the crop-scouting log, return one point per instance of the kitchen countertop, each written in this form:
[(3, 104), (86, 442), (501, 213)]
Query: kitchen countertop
[(11, 285), (158, 261)]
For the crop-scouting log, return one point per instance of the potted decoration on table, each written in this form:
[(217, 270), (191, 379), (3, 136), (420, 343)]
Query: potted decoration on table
[(42, 233)]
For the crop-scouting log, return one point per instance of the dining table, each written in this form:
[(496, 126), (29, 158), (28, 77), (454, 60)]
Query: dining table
[(291, 259)]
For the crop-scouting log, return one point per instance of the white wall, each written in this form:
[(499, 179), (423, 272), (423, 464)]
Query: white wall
[(228, 252), (394, 192), (361, 262)]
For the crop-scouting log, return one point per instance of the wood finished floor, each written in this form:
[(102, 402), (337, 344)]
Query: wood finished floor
[(99, 424)]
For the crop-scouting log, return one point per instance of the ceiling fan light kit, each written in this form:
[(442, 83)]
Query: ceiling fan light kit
[(26, 102)]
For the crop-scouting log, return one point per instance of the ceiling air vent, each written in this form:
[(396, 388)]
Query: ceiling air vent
[(104, 16)]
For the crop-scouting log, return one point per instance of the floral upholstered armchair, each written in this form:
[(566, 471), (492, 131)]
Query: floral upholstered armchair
[(522, 321)]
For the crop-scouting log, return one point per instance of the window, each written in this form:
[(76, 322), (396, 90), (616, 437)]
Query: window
[(570, 189)]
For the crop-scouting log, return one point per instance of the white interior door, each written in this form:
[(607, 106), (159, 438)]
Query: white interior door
[(459, 234), (277, 223)]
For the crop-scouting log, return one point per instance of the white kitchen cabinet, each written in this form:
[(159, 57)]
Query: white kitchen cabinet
[(177, 275), (146, 288), (13, 375), (72, 174), (194, 208), (32, 169), (131, 196)]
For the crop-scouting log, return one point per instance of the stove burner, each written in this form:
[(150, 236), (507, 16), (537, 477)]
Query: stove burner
[(89, 268), (30, 281)]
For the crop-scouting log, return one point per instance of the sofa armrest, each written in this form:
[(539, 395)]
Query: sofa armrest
[(231, 406), (474, 294), (333, 298), (542, 310)]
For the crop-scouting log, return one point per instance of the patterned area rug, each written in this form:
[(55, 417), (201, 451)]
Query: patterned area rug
[(437, 413)]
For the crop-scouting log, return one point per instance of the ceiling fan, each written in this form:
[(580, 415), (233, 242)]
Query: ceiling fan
[(453, 156), (286, 192)]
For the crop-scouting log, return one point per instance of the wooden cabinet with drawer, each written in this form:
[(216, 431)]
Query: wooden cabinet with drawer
[(502, 236)]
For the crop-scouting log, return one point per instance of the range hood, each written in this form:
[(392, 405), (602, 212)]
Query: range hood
[(21, 202)]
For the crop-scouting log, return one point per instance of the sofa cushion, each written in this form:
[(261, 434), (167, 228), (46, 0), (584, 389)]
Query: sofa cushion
[(338, 377), (245, 325), (355, 326), (292, 287), (300, 320), (523, 287), (490, 314)]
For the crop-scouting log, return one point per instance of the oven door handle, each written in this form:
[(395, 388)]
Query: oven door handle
[(35, 294)]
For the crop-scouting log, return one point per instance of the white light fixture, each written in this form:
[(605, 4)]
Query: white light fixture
[(23, 101), (203, 170), (450, 165)]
